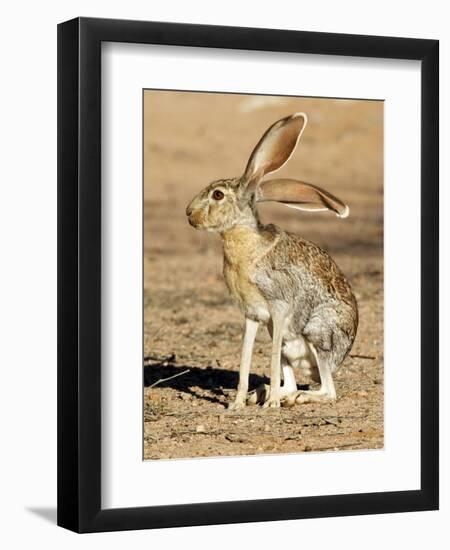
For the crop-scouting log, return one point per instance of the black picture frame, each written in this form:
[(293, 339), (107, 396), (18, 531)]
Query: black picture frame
[(79, 274)]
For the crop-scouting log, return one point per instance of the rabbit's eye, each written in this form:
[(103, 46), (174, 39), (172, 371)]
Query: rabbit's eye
[(218, 195)]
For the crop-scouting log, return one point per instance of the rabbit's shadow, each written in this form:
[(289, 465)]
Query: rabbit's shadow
[(216, 381)]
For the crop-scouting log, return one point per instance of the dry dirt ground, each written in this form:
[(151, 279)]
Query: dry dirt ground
[(191, 327)]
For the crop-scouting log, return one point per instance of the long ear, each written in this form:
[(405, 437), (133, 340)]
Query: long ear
[(303, 196), (274, 148)]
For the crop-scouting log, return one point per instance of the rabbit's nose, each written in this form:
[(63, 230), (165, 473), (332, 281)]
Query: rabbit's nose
[(188, 211)]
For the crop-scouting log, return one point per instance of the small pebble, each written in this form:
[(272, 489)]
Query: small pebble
[(236, 438), (200, 429)]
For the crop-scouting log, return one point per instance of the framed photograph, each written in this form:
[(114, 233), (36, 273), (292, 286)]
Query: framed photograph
[(247, 275)]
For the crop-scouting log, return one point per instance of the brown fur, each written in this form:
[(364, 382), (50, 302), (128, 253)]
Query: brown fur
[(243, 248), (293, 250)]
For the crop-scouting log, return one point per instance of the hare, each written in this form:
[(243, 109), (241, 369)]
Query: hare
[(278, 278)]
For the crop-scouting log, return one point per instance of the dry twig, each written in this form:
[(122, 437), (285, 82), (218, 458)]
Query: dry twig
[(168, 378)]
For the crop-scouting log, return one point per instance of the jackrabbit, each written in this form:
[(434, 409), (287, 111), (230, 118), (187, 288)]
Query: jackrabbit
[(279, 278)]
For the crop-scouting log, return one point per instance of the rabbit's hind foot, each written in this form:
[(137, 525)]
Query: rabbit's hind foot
[(309, 396)]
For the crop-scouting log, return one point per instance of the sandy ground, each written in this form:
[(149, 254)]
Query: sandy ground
[(191, 327)]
